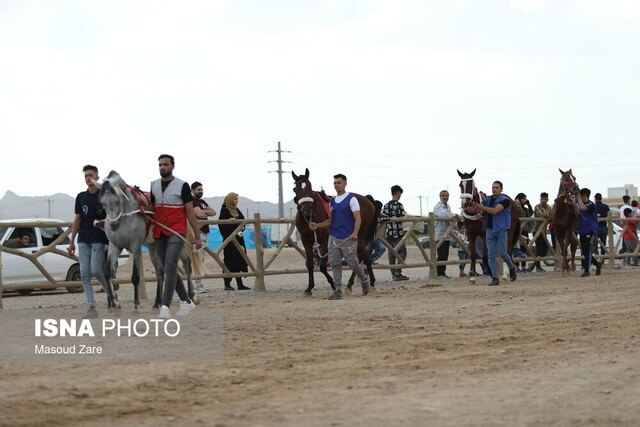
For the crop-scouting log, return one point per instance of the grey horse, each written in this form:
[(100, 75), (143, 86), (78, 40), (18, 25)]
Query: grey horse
[(126, 227)]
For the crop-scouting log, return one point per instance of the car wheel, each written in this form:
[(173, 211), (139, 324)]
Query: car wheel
[(25, 291), (74, 275)]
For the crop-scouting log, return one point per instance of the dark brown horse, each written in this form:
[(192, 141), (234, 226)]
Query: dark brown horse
[(565, 218), (473, 220), (312, 209)]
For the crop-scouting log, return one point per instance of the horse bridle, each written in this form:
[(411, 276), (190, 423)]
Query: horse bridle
[(470, 196), (568, 187)]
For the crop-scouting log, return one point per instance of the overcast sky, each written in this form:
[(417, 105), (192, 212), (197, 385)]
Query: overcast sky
[(386, 92)]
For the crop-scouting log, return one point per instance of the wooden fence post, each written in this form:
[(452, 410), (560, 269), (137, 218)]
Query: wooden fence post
[(433, 251), (257, 238), (142, 286)]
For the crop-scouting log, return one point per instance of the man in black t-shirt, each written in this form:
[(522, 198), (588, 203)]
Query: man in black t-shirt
[(91, 239)]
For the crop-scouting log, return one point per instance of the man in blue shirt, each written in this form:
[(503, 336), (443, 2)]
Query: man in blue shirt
[(588, 231), (91, 239), (343, 238), (496, 226)]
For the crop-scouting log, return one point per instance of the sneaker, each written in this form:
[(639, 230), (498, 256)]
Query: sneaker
[(243, 288), (185, 308), (444, 277), (165, 313), (540, 270), (336, 295), (463, 276), (599, 269), (100, 291), (495, 282), (399, 278), (512, 274), (92, 313), (365, 287), (229, 288), (585, 274), (201, 289)]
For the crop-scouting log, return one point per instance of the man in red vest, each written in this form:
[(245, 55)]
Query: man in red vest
[(173, 205)]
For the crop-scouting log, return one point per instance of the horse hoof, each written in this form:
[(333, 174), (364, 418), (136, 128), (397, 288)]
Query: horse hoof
[(310, 288), (196, 299), (472, 280), (307, 293), (347, 291)]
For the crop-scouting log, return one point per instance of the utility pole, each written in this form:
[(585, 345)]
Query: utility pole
[(279, 172), (49, 201)]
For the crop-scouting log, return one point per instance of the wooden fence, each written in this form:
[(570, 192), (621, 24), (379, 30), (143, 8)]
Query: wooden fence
[(260, 264)]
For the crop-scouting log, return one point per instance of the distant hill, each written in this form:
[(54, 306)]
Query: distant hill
[(61, 206)]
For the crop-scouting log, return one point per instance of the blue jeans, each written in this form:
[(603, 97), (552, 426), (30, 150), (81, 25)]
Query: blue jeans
[(377, 250), (497, 242), (91, 264), (169, 249)]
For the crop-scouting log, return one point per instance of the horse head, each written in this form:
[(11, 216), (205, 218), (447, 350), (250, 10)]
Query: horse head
[(568, 184), (304, 194), (113, 197), (467, 188)]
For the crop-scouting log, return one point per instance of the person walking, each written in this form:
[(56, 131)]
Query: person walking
[(630, 236), (542, 210), (344, 224), (602, 211), (202, 210), (394, 231), (91, 239), (442, 209), (173, 205), (233, 259), (496, 226), (588, 228), (525, 211)]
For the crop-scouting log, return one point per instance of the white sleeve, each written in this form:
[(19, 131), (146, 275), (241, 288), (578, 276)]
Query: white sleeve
[(354, 205)]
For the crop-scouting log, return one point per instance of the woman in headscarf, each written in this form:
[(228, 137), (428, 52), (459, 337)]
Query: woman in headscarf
[(233, 259)]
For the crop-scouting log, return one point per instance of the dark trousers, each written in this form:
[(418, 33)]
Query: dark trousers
[(541, 249), (169, 249), (586, 243), (443, 255), (603, 232), (393, 241)]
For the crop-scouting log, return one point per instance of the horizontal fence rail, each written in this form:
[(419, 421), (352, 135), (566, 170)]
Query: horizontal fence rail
[(260, 263)]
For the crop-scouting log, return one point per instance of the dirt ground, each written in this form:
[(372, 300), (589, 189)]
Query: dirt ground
[(544, 350)]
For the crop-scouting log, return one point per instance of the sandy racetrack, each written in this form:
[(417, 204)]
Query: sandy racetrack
[(543, 350)]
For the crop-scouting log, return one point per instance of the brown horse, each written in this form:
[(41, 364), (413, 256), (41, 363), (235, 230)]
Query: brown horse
[(312, 209), (473, 220), (565, 218)]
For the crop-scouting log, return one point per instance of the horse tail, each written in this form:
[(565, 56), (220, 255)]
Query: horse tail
[(194, 256), (372, 232), (516, 234)]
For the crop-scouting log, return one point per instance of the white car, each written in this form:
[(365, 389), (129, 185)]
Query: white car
[(16, 269)]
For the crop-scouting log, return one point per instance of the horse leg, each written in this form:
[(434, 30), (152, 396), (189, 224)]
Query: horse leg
[(323, 270), (188, 270), (135, 279), (311, 283), (109, 270), (574, 248)]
